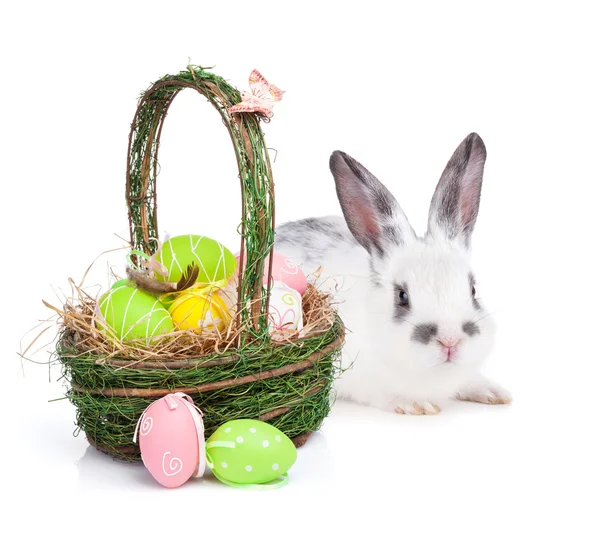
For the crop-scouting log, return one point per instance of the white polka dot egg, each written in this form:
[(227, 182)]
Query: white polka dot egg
[(249, 452)]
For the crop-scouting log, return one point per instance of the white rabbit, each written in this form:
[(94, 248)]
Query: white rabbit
[(417, 331)]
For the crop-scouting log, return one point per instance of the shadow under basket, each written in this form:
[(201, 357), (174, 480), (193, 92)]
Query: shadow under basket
[(287, 384)]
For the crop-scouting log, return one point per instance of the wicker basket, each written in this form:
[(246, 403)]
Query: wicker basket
[(287, 384)]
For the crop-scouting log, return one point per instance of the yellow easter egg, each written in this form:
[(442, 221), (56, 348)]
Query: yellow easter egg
[(199, 311)]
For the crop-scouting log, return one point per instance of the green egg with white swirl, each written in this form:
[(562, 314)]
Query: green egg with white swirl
[(130, 313), (214, 260)]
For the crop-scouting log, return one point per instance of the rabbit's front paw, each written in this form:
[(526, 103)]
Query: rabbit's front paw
[(486, 392), (417, 408)]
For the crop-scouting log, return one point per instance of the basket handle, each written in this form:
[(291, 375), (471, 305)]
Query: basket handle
[(258, 200)]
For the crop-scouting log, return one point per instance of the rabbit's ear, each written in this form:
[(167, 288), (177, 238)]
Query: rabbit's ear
[(455, 203), (372, 214)]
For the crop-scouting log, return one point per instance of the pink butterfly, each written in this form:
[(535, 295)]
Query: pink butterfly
[(260, 99)]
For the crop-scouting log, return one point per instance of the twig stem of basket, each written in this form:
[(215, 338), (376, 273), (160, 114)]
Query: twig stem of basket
[(282, 410)]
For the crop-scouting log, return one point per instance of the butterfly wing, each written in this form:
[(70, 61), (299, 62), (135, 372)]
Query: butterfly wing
[(261, 88), (261, 98), (253, 104)]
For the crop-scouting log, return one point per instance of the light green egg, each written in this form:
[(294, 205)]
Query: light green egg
[(215, 261), (134, 314), (249, 452)]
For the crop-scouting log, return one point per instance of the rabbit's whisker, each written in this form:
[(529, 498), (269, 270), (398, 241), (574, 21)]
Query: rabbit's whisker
[(481, 318)]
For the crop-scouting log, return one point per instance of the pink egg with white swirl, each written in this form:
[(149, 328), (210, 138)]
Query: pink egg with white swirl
[(285, 271), (171, 437)]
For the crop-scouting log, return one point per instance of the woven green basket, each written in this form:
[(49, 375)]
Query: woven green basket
[(288, 385)]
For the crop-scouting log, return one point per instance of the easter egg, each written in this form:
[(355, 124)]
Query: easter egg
[(214, 260), (249, 452), (286, 271), (198, 311), (133, 314), (171, 438), (285, 309)]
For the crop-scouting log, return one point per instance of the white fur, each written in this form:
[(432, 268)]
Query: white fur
[(388, 369), (385, 368)]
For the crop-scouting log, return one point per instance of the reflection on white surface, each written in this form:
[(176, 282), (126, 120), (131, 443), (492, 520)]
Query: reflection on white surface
[(96, 469)]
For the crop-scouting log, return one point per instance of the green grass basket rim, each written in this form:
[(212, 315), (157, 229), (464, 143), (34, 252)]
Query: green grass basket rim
[(229, 383)]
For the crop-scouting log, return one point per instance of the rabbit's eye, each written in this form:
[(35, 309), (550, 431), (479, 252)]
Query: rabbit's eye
[(403, 298), (473, 291)]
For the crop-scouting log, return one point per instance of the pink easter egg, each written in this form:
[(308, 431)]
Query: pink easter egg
[(284, 270), (171, 436)]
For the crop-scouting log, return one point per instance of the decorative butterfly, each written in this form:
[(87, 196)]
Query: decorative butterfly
[(260, 99)]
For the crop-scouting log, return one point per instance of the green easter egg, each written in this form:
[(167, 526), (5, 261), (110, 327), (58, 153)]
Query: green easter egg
[(249, 452), (215, 261), (134, 314)]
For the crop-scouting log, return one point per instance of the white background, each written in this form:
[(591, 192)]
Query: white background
[(398, 88)]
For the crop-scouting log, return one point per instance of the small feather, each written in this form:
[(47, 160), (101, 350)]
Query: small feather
[(188, 278), (147, 283)]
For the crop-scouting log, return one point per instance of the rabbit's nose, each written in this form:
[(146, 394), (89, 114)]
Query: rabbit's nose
[(449, 342)]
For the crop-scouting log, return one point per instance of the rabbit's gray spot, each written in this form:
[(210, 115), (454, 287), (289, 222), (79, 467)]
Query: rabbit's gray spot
[(471, 329), (383, 203), (316, 236), (320, 226), (305, 231), (400, 312), (423, 333), (476, 303), (392, 234)]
